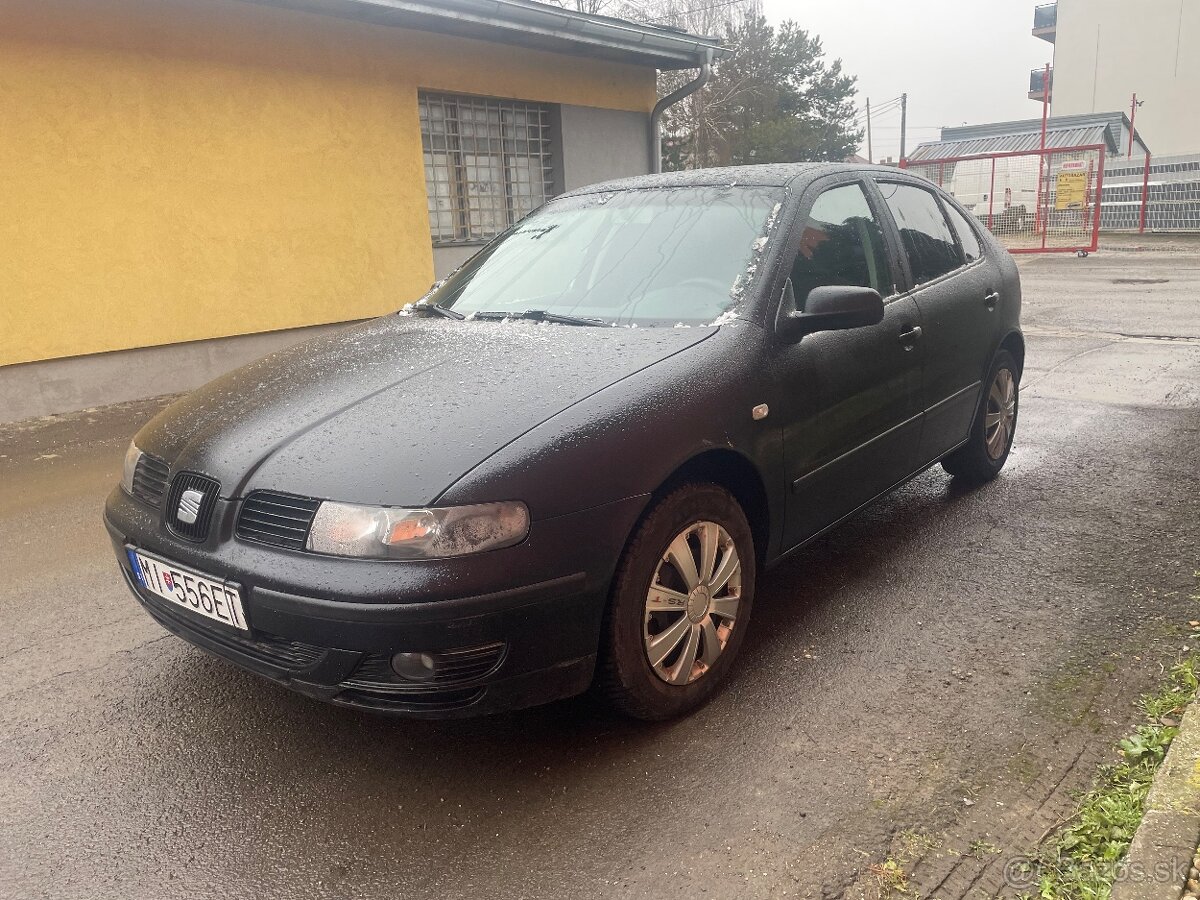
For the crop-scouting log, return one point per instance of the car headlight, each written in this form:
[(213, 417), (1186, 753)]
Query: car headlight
[(347, 529), (132, 456)]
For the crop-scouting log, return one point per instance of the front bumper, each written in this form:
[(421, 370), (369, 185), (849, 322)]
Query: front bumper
[(521, 624)]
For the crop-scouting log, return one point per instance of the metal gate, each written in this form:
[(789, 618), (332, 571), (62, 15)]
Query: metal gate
[(1034, 201)]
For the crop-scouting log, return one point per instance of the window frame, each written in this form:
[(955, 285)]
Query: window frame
[(796, 214), (911, 285), (548, 153), (803, 220), (948, 203)]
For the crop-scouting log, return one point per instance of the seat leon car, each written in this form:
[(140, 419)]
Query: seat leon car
[(568, 464)]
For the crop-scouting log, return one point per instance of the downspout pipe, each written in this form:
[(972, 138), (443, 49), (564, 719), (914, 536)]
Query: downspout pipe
[(670, 100)]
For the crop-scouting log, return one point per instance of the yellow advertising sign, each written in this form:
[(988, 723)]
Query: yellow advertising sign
[(1071, 190)]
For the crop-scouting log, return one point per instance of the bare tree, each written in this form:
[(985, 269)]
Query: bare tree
[(621, 9), (693, 129), (776, 98)]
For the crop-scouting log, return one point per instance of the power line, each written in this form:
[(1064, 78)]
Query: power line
[(688, 12), (883, 108), (862, 120), (886, 103), (875, 111)]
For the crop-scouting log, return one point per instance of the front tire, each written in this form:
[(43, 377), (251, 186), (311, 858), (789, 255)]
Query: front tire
[(986, 451), (679, 605)]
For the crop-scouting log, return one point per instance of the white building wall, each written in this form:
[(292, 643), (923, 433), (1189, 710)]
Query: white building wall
[(1105, 50)]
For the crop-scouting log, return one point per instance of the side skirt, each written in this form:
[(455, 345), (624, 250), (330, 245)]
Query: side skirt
[(854, 512)]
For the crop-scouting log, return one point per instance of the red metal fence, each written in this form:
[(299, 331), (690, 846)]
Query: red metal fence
[(1034, 201)]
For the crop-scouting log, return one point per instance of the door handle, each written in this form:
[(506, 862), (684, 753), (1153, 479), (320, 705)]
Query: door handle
[(909, 338), (990, 300)]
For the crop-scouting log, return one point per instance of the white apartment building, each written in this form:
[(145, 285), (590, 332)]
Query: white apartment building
[(1105, 51)]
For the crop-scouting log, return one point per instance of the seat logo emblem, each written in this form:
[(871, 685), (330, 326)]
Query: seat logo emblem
[(189, 506)]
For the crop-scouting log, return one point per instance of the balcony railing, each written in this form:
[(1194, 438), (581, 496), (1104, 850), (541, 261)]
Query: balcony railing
[(1038, 85), (1045, 21)]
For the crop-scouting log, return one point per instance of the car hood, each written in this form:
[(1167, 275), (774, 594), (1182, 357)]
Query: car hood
[(395, 410)]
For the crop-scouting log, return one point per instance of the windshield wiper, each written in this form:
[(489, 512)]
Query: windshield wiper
[(538, 315), (444, 312)]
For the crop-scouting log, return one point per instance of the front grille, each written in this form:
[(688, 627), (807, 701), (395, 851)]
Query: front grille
[(150, 479), (182, 504), (451, 669), (281, 520), (437, 701), (292, 654), (268, 648)]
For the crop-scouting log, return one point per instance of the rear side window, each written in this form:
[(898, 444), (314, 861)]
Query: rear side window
[(842, 244), (925, 232), (966, 234)]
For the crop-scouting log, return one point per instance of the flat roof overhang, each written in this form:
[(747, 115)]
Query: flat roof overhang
[(524, 23)]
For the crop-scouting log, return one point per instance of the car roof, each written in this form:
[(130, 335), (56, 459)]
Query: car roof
[(795, 175)]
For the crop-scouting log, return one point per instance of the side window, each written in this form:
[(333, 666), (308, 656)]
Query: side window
[(966, 234), (927, 238), (842, 244)]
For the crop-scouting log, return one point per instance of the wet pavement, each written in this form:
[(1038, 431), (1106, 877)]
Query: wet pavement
[(929, 683)]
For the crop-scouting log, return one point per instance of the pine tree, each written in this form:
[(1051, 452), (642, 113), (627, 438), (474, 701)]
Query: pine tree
[(776, 99)]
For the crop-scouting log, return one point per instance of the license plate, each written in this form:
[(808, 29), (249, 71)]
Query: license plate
[(210, 597)]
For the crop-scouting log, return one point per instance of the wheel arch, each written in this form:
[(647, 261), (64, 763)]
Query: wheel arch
[(1014, 343), (738, 475)]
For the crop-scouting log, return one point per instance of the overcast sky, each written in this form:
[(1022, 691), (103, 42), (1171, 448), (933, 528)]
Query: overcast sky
[(959, 60)]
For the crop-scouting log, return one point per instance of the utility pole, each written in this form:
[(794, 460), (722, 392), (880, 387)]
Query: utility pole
[(1037, 209), (870, 152), (903, 126), (1133, 108)]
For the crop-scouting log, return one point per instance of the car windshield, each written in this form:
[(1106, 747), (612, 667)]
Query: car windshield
[(662, 256)]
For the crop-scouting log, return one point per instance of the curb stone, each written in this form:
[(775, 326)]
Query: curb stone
[(1164, 848)]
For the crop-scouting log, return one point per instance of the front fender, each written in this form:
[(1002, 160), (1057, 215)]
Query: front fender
[(629, 438)]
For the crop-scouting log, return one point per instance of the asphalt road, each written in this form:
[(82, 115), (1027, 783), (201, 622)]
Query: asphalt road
[(928, 684)]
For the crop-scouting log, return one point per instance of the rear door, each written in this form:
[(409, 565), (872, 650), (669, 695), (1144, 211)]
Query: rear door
[(956, 287), (849, 401)]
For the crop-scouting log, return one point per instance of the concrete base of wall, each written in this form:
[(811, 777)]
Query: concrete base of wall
[(447, 259), (64, 385)]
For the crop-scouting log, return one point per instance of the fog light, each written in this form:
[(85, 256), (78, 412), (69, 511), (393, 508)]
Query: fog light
[(414, 666)]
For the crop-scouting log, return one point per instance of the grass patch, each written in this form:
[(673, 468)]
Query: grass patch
[(1084, 859), (914, 844), (890, 877), (980, 849)]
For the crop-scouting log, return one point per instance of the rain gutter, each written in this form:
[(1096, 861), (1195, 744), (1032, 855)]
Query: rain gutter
[(528, 24), (670, 100)]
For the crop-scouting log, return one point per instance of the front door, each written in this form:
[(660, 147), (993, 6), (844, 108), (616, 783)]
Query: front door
[(849, 401)]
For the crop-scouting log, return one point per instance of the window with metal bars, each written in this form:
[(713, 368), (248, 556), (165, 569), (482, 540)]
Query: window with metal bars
[(487, 164)]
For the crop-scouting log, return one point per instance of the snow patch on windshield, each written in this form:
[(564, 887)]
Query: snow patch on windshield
[(730, 315), (773, 217), (742, 282)]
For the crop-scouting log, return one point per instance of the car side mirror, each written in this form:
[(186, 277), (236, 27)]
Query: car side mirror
[(828, 308)]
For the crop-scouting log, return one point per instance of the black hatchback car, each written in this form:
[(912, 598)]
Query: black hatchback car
[(568, 463)]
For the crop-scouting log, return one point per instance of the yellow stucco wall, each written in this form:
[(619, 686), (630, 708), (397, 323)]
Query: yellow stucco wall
[(174, 170)]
